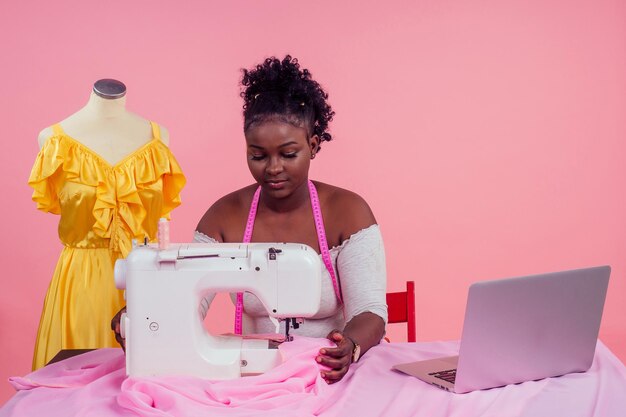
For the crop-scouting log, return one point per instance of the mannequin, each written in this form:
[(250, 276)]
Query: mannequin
[(105, 126), (110, 176)]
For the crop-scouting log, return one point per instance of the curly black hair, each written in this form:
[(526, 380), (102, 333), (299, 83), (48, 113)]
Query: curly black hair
[(281, 90)]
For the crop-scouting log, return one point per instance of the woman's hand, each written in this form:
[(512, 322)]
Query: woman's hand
[(337, 359), (115, 326)]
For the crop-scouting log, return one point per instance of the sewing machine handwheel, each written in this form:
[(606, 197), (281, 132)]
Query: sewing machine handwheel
[(123, 326)]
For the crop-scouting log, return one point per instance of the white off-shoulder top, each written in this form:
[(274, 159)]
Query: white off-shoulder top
[(359, 264)]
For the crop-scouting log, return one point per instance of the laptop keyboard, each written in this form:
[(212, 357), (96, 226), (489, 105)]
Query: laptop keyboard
[(448, 376)]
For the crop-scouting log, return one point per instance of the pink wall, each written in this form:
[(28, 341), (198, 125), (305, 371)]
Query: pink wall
[(488, 138)]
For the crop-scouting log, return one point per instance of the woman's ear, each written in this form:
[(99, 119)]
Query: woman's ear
[(314, 143)]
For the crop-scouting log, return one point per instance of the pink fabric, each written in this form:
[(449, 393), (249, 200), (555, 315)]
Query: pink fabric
[(94, 384)]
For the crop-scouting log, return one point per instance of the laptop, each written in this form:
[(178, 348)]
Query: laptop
[(522, 329)]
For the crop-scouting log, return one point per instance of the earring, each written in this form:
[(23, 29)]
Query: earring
[(312, 156)]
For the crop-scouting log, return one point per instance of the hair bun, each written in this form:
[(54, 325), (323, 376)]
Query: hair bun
[(281, 88)]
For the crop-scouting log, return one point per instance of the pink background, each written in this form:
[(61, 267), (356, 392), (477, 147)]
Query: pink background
[(489, 139)]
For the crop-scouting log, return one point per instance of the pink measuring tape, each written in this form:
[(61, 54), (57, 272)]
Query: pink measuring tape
[(321, 238)]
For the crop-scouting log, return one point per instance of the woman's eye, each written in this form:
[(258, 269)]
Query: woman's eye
[(257, 157), (290, 155)]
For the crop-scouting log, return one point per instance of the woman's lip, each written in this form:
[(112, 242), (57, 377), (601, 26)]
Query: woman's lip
[(276, 184)]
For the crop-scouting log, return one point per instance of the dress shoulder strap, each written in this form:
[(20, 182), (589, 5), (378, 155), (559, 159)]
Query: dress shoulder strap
[(156, 130), (57, 130)]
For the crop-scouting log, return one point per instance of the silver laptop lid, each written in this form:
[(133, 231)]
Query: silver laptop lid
[(528, 328)]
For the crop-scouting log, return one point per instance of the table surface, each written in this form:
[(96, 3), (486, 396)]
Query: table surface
[(94, 383), (68, 353)]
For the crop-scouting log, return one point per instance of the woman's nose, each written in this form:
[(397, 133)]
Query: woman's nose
[(274, 166)]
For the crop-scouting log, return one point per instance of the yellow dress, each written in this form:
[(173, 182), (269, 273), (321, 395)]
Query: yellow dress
[(103, 207)]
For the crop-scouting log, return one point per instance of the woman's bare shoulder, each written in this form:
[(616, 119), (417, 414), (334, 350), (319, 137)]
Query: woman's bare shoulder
[(227, 213)]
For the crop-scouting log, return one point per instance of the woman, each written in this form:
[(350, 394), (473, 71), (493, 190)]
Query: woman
[(285, 120)]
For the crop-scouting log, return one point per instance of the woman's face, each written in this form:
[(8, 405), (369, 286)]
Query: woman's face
[(279, 156)]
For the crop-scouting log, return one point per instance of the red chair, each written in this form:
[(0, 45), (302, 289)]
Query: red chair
[(401, 309)]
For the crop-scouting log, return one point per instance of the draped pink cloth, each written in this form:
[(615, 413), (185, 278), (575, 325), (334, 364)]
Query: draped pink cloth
[(94, 384)]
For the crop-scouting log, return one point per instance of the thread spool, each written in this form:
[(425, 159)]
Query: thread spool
[(163, 234)]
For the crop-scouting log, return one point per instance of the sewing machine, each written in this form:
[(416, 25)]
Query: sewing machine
[(166, 291)]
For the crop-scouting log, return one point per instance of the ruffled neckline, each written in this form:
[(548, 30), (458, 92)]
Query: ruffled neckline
[(333, 250), (154, 141)]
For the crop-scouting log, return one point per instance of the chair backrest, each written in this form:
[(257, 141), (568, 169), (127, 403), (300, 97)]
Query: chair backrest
[(401, 309)]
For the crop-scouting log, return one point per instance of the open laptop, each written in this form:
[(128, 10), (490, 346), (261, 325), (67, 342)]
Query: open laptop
[(522, 329)]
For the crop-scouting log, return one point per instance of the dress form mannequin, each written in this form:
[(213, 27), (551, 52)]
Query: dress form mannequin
[(110, 177), (105, 126)]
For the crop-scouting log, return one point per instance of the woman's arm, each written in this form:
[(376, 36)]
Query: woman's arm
[(365, 330)]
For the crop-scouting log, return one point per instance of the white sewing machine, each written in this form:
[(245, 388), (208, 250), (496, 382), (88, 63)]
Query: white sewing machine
[(165, 295)]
